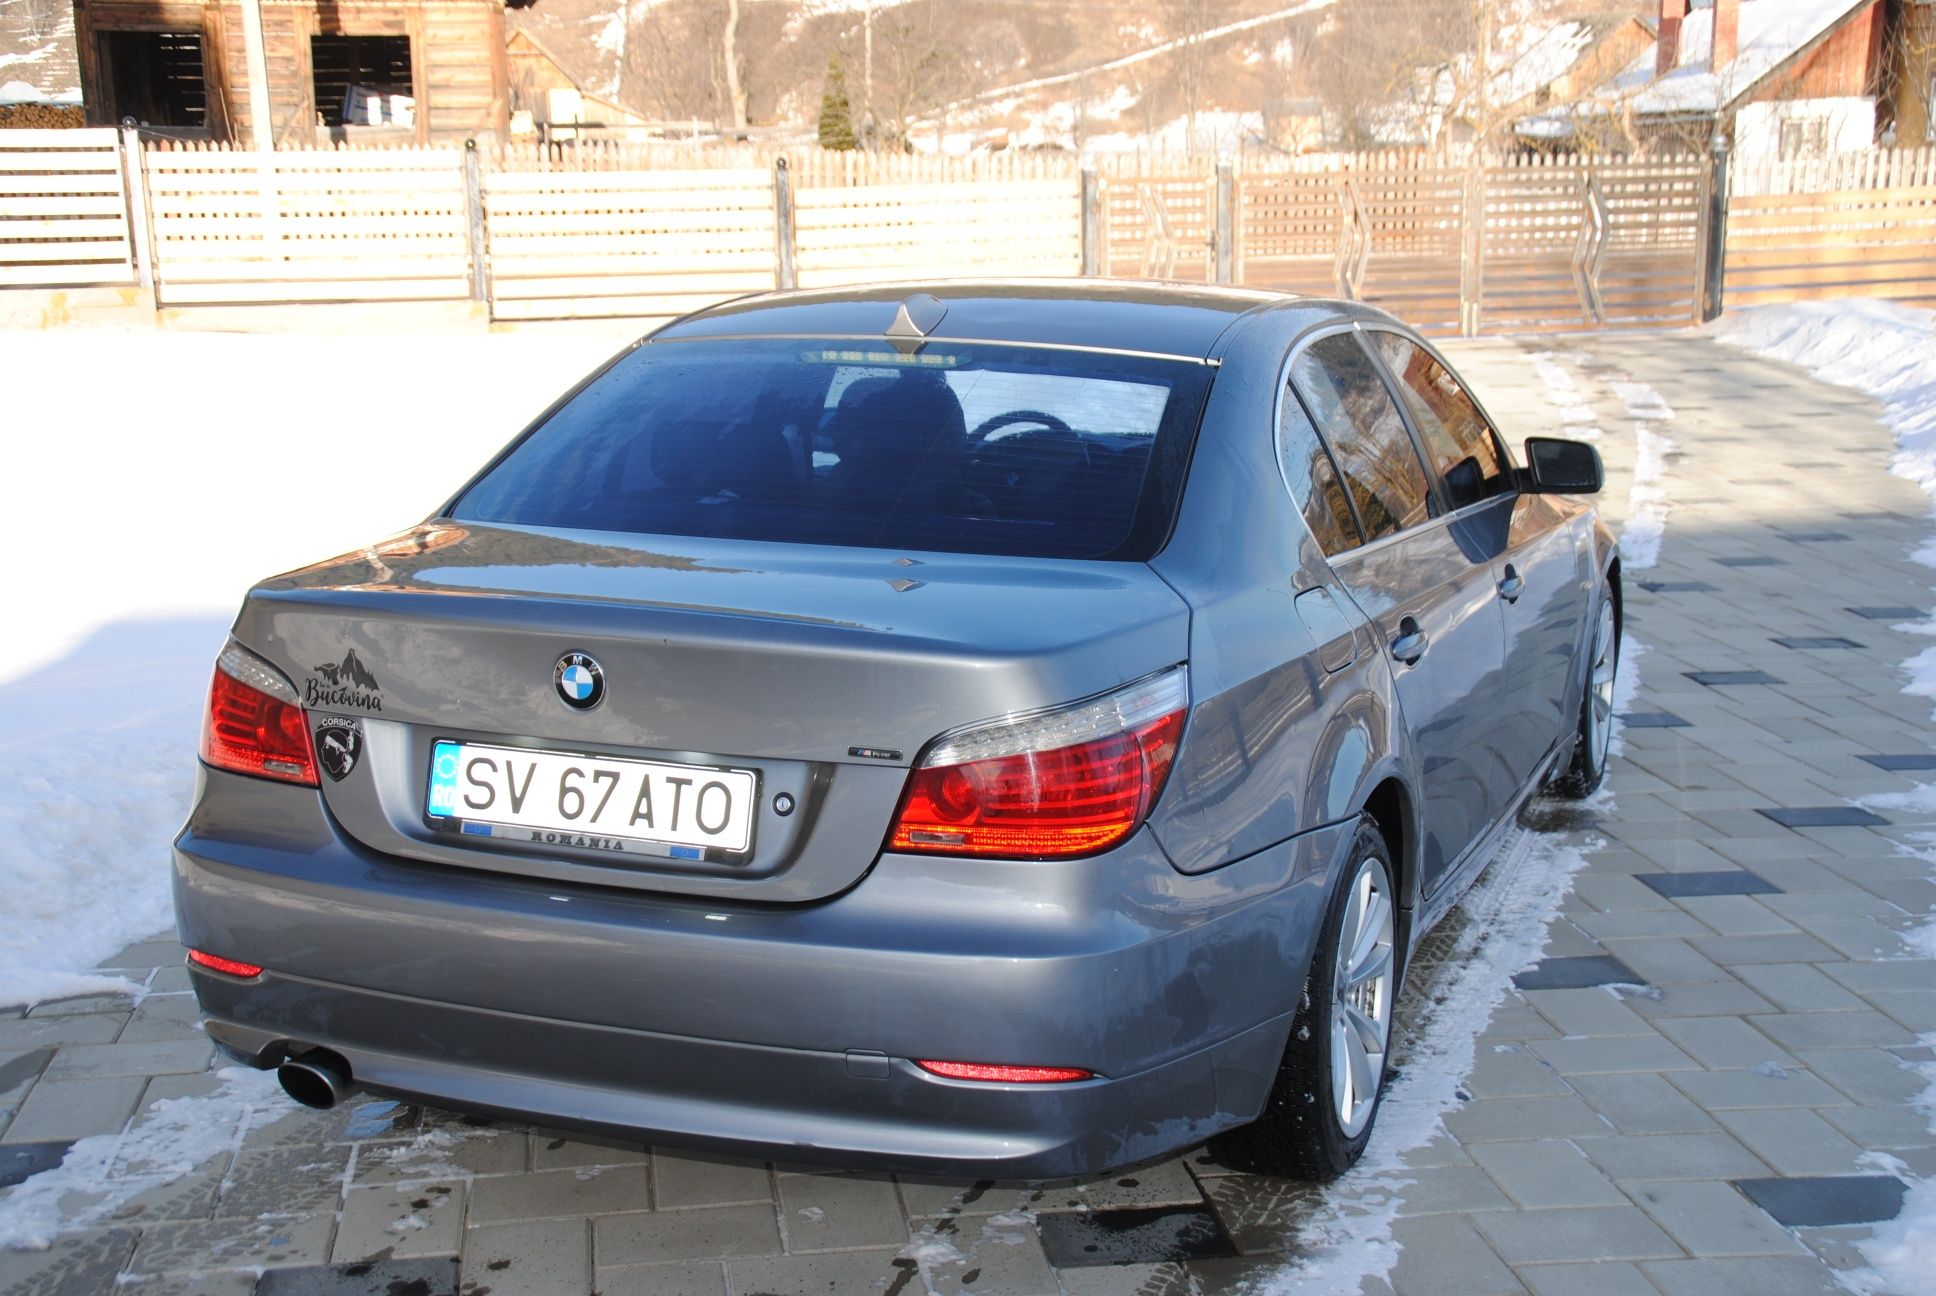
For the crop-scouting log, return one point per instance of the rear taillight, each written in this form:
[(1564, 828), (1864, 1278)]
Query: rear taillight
[(1071, 781), (255, 724)]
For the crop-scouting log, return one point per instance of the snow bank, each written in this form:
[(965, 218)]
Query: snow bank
[(1888, 351), (161, 474)]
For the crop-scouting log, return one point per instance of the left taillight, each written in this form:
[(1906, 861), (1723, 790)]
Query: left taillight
[(255, 722), (1051, 785)]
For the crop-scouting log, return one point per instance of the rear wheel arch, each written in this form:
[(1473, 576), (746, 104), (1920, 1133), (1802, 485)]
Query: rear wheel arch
[(1390, 808)]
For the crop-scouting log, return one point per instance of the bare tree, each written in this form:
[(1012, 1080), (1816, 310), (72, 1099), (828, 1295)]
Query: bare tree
[(1382, 75), (729, 59), (40, 20), (924, 56), (1186, 21)]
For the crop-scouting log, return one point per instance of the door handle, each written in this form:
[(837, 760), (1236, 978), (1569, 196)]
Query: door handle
[(1410, 644), (1513, 586)]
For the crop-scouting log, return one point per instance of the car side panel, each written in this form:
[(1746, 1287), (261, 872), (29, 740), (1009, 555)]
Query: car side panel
[(1446, 699), (1277, 743), (1545, 626)]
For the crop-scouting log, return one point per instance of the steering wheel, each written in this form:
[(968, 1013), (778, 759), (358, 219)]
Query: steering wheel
[(1009, 470), (1049, 422)]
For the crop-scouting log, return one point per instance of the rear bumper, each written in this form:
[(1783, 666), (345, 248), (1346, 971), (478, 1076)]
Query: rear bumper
[(780, 1032), (819, 1108)]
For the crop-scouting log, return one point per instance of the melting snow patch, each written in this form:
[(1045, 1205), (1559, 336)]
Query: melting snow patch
[(1647, 496), (1575, 414), (1348, 1238), (104, 1172), (929, 1251)]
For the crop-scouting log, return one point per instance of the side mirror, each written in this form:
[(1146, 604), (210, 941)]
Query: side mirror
[(1556, 466)]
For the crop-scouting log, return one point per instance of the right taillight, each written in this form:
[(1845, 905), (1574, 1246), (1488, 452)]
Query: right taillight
[(1051, 785), (255, 724)]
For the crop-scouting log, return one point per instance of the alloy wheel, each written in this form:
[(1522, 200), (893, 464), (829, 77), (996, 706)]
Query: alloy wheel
[(1362, 989), (1606, 652)]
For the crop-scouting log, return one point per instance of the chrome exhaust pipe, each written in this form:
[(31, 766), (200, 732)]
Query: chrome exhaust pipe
[(318, 1078)]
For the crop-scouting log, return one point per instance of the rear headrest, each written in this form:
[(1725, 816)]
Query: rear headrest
[(902, 419)]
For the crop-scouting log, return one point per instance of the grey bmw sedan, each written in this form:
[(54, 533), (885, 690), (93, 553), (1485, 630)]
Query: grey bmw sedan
[(994, 729)]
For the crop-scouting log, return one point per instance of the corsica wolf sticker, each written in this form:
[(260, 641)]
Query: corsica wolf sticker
[(339, 742)]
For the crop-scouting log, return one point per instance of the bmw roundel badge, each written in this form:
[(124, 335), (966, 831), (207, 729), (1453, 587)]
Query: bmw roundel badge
[(580, 681)]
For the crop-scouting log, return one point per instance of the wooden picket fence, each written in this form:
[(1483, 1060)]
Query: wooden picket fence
[(307, 226), (593, 243), (598, 229), (63, 209)]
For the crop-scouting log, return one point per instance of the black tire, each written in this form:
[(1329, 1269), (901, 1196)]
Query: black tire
[(1588, 767), (1300, 1134)]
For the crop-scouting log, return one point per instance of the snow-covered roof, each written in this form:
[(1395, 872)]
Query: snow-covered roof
[(1771, 32), (1549, 56)]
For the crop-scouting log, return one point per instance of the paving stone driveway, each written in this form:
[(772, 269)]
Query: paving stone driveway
[(1684, 1096)]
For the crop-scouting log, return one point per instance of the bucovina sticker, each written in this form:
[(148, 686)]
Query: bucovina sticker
[(339, 741), (347, 683)]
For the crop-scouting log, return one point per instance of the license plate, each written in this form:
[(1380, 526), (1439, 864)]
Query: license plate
[(601, 802)]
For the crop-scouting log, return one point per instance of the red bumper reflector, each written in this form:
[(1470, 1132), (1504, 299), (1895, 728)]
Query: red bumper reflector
[(219, 964), (1004, 1074)]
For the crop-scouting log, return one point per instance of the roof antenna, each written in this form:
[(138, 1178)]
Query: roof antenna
[(914, 319)]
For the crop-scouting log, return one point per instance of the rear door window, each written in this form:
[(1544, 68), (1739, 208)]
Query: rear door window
[(1352, 407), (1455, 433), (1313, 479), (970, 448)]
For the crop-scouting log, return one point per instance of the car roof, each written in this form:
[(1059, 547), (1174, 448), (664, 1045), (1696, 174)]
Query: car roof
[(1173, 319)]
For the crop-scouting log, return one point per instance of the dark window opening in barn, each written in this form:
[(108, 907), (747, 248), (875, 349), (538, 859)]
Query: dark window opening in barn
[(363, 80), (156, 77)]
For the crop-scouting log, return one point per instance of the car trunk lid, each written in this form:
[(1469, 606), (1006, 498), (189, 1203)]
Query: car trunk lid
[(819, 671)]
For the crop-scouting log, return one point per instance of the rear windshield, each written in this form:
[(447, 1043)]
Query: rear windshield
[(962, 448)]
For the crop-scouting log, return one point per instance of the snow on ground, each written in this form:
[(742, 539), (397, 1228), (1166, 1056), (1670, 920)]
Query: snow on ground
[(1576, 416), (104, 1172), (1647, 496), (1348, 1236), (165, 473), (1888, 351)]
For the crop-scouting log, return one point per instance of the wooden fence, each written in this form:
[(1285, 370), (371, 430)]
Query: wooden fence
[(1492, 245), (293, 226), (64, 208), (585, 244), (910, 231), (1861, 225)]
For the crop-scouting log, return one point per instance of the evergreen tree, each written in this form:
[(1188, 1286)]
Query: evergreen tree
[(836, 113)]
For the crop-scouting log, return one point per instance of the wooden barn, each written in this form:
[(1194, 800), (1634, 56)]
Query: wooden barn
[(378, 71)]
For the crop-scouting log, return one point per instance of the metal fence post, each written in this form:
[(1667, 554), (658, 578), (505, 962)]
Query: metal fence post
[(785, 274), (1714, 253), (140, 214), (474, 206), (1223, 245), (1091, 220)]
